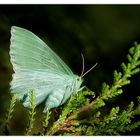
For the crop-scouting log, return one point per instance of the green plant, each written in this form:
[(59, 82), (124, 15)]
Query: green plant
[(32, 113), (10, 114), (80, 116)]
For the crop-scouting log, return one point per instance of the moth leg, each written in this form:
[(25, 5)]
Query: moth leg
[(54, 99)]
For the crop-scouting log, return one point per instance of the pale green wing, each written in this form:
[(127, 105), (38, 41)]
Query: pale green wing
[(29, 52), (37, 68), (44, 85)]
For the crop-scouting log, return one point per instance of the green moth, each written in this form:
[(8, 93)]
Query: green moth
[(36, 67)]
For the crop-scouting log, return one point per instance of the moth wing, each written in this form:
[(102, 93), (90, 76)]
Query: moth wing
[(43, 84), (29, 52), (36, 66)]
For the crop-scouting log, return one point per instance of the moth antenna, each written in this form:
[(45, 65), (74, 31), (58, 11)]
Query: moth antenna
[(83, 66), (89, 70)]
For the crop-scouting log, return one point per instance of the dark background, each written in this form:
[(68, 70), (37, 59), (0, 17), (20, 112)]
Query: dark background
[(103, 33)]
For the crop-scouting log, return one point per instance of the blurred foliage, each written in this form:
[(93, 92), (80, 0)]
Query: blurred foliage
[(103, 33)]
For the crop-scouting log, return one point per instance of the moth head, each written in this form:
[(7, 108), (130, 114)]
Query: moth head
[(78, 83), (79, 79)]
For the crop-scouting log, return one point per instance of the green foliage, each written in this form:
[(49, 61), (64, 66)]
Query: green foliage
[(116, 122), (85, 115), (10, 114), (95, 123), (32, 113), (46, 121), (69, 112), (120, 78), (11, 108)]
